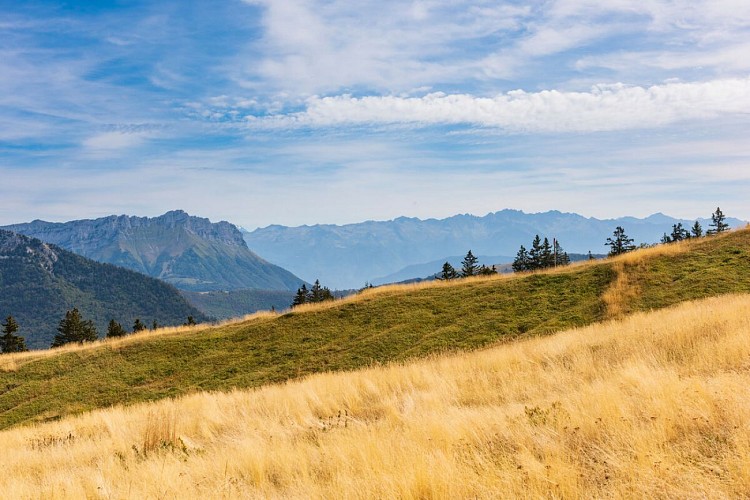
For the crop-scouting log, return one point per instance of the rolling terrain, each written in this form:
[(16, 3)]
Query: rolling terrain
[(381, 325), (654, 405), (39, 282)]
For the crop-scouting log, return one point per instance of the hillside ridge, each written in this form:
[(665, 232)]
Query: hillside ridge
[(381, 325), (349, 255)]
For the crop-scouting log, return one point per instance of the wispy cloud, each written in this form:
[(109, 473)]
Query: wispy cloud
[(255, 110)]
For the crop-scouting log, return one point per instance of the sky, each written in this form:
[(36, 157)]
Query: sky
[(299, 112)]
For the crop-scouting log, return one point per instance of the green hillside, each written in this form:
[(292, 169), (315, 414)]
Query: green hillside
[(379, 326), (226, 304), (40, 282)]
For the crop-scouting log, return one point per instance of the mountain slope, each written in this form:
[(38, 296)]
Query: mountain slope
[(348, 256), (651, 406), (378, 326), (189, 252), (39, 282)]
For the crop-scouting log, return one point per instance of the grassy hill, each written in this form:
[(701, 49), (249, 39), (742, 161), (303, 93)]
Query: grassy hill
[(227, 304), (379, 326), (654, 405)]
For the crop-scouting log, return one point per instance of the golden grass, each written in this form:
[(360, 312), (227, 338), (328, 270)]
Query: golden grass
[(656, 405)]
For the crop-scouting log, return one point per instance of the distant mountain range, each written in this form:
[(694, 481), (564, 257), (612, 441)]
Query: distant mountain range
[(350, 255), (39, 282), (188, 252)]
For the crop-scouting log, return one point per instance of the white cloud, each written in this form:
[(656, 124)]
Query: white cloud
[(332, 46), (113, 143), (605, 107)]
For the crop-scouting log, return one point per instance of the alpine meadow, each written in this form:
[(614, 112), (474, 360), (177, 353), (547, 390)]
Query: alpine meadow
[(624, 377)]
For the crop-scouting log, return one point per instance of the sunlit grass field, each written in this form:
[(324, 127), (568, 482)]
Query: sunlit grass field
[(380, 326), (652, 405)]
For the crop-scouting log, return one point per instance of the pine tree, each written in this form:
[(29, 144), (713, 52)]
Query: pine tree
[(9, 341), (679, 233), (301, 296), (154, 325), (547, 257), (448, 272), (717, 222), (522, 262), (486, 271), (316, 292), (560, 256), (138, 326), (115, 329), (73, 328), (620, 243), (696, 230), (469, 266), (535, 254), (665, 239), (191, 321)]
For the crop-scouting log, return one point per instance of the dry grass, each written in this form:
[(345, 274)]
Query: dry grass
[(655, 405)]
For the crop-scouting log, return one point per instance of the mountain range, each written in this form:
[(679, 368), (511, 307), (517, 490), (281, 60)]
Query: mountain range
[(348, 256), (191, 253), (39, 282)]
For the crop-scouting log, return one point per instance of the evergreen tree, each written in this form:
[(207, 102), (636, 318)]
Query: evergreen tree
[(448, 272), (301, 296), (138, 326), (522, 262), (487, 271), (665, 239), (191, 321), (469, 266), (535, 254), (316, 292), (717, 222), (154, 325), (73, 328), (547, 257), (679, 233), (590, 255), (9, 341), (696, 230), (115, 329), (620, 243), (319, 293), (560, 255)]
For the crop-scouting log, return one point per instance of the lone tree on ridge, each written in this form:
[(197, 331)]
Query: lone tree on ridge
[(620, 243)]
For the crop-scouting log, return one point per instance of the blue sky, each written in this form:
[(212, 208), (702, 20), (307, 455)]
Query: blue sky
[(330, 111)]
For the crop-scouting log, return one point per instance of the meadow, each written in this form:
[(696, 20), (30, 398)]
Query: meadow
[(377, 327), (650, 405)]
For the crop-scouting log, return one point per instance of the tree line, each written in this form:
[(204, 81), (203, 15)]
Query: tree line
[(541, 255), (316, 293), (620, 243), (73, 328), (469, 267)]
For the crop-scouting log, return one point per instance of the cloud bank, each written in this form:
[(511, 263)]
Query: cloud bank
[(603, 108)]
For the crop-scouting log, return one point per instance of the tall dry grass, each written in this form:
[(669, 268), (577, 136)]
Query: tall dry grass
[(655, 405)]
